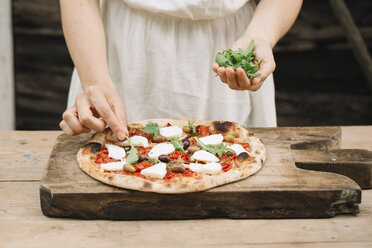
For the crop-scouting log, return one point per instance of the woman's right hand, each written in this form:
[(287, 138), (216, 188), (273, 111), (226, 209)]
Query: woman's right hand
[(97, 107)]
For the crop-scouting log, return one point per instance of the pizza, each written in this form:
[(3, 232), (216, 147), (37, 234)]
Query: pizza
[(173, 155)]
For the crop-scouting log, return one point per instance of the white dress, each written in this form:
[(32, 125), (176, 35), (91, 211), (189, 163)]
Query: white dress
[(160, 54)]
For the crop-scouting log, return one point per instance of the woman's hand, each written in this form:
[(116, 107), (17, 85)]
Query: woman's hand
[(238, 80), (97, 101), (99, 105)]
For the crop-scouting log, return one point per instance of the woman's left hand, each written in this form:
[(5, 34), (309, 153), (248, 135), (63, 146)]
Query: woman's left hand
[(238, 80)]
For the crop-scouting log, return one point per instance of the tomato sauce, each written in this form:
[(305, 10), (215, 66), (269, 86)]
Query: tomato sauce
[(103, 158), (136, 174), (192, 141), (203, 130), (142, 165), (142, 150), (227, 162), (246, 146), (226, 167), (136, 131), (177, 155), (170, 174)]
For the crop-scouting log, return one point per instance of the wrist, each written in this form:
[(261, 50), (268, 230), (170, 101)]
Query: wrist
[(269, 39), (102, 82)]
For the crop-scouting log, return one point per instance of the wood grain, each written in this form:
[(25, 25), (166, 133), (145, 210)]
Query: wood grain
[(22, 222), (279, 190), (24, 155)]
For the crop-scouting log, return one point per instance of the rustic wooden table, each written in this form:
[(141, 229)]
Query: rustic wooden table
[(24, 155)]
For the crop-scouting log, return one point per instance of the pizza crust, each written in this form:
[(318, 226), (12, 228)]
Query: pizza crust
[(247, 167)]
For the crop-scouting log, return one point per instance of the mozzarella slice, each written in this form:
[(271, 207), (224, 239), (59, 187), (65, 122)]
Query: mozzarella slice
[(237, 148), (113, 166), (170, 132), (187, 166), (159, 149), (138, 140), (204, 156), (208, 168), (115, 152), (213, 139), (156, 171)]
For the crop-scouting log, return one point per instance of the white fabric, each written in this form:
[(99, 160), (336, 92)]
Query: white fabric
[(161, 65), (189, 9)]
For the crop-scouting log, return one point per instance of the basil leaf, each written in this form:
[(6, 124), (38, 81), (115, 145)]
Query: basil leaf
[(132, 154), (218, 149), (154, 160), (151, 128), (177, 144), (193, 128), (250, 47)]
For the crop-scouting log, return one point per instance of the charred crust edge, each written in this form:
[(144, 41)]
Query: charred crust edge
[(222, 126), (93, 146), (242, 156), (146, 185), (107, 130)]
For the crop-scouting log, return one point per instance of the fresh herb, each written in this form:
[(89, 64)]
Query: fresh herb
[(193, 128), (177, 144), (244, 59), (132, 154), (218, 149), (154, 160), (169, 167), (151, 128)]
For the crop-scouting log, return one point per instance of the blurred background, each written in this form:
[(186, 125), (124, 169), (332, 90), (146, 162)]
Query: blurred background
[(318, 79)]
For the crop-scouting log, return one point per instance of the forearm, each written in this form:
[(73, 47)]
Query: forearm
[(272, 19), (85, 38)]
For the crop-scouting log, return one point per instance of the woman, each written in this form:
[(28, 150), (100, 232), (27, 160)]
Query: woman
[(153, 57)]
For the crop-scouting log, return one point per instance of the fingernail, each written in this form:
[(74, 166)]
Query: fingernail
[(121, 136)]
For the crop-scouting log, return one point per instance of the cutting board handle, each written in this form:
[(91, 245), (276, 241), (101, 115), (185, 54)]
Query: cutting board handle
[(353, 163)]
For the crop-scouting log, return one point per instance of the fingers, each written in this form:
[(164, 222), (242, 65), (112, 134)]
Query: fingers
[(100, 103), (238, 80), (70, 124), (85, 114), (215, 67), (120, 113), (231, 79), (256, 86), (66, 129), (266, 68), (243, 80), (222, 73)]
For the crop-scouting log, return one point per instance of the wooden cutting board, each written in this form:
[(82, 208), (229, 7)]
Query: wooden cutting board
[(278, 190)]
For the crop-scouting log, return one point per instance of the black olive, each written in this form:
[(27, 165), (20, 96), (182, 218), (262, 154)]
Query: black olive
[(164, 158), (186, 143), (143, 157)]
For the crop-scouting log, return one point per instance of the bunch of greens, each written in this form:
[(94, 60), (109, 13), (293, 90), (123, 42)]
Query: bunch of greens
[(218, 149), (151, 128), (241, 58)]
